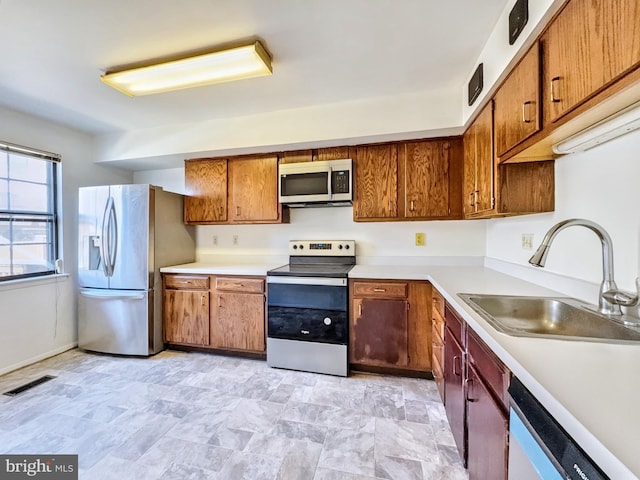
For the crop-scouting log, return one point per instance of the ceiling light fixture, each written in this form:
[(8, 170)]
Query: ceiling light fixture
[(216, 67)]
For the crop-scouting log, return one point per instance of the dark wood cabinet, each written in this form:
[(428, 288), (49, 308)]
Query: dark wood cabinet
[(379, 332), (186, 309), (454, 376), (476, 400), (487, 431), (390, 324)]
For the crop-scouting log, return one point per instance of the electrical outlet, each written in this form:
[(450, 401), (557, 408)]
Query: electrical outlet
[(527, 241), (214, 240), (236, 240), (420, 239)]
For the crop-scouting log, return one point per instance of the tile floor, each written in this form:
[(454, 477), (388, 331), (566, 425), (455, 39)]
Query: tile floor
[(199, 416)]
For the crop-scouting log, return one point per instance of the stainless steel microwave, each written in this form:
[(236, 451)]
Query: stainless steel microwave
[(308, 184)]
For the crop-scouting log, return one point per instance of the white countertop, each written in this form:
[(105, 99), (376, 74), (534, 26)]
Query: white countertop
[(204, 268), (592, 389)]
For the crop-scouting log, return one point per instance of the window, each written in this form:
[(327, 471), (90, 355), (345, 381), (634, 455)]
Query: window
[(28, 212)]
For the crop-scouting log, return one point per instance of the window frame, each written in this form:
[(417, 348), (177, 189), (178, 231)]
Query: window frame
[(51, 217)]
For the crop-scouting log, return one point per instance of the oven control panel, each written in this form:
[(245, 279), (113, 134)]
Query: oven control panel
[(322, 247)]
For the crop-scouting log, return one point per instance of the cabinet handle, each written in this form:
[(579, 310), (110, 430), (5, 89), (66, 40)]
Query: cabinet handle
[(219, 302), (202, 300), (237, 211), (389, 206), (553, 96), (471, 204), (359, 309), (411, 207), (526, 118), (455, 361), (469, 385), (238, 285), (379, 289), (475, 199)]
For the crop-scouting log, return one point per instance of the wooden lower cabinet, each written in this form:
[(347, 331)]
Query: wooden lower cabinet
[(390, 324), (221, 312), (476, 400), (186, 309), (379, 332), (487, 431), (237, 322), (454, 363)]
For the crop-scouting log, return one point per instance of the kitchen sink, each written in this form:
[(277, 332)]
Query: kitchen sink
[(549, 317)]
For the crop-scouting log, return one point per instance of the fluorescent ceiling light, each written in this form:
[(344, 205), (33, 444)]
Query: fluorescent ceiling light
[(611, 127), (223, 66)]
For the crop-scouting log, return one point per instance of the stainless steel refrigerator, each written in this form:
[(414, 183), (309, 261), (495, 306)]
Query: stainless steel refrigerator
[(126, 234)]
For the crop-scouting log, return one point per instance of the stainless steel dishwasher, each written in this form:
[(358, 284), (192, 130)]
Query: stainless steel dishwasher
[(539, 448)]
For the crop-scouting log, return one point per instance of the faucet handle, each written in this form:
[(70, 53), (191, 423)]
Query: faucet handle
[(618, 297)]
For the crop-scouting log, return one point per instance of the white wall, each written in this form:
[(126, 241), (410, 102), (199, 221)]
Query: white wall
[(445, 239), (363, 121), (497, 54), (600, 184), (39, 319)]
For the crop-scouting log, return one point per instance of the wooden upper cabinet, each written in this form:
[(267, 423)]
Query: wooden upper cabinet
[(427, 179), (206, 188), (589, 44), (517, 103), (331, 153), (479, 167), (376, 182), (253, 189), (298, 156)]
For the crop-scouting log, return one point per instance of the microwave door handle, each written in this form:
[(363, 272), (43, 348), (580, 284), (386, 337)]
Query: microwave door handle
[(329, 192)]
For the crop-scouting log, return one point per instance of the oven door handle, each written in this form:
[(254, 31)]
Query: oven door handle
[(323, 281)]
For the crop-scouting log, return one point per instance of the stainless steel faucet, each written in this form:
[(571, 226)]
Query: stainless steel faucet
[(607, 301)]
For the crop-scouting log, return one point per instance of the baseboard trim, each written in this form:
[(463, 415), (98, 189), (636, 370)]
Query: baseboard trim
[(37, 358)]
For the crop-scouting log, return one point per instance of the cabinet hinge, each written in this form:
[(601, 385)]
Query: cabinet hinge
[(493, 202)]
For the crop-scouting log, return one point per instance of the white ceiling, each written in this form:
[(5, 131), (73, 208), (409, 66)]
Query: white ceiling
[(52, 53)]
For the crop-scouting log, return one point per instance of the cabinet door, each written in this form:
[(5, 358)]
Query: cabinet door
[(186, 317), (453, 367), (479, 168), (253, 189), (206, 187), (379, 332), (331, 153), (299, 156), (237, 322), (517, 103), (487, 427), (376, 182), (601, 40), (485, 168), (427, 179)]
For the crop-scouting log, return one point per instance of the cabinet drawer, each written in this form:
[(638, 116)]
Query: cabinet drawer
[(494, 373), (438, 304), (186, 282), (378, 289), (240, 284), (456, 325)]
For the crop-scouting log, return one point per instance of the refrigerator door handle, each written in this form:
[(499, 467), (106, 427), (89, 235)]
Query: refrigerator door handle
[(107, 261), (113, 235), (104, 251), (111, 296)]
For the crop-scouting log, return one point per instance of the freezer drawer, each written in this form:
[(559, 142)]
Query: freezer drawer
[(116, 321)]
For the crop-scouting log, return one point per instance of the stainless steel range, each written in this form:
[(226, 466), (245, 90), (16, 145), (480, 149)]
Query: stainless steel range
[(308, 307)]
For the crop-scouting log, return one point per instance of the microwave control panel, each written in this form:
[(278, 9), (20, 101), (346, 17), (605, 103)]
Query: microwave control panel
[(340, 181)]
